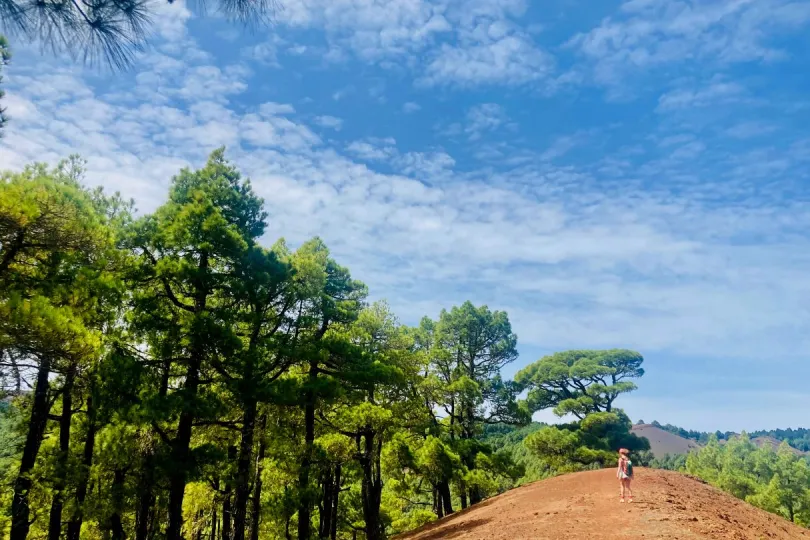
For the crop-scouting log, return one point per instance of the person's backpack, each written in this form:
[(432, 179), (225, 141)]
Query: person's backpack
[(628, 469)]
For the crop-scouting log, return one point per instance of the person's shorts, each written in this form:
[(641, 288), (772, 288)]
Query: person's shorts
[(623, 476)]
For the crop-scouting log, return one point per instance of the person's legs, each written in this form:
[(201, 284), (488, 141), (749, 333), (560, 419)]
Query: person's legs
[(622, 483), (629, 488)]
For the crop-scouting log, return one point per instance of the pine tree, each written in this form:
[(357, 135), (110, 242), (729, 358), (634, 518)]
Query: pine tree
[(189, 249)]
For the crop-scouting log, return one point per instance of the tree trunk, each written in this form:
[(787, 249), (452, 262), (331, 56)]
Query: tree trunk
[(11, 251), (180, 452), (75, 525), (255, 513), (214, 525), (325, 514), (371, 488), (147, 480), (146, 497), (117, 503), (243, 471), (15, 372), (227, 509), (463, 495), (178, 474), (335, 502), (40, 408), (60, 471), (475, 495), (445, 498), (305, 506), (227, 531), (200, 517)]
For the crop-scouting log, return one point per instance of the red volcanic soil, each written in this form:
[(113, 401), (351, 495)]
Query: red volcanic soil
[(586, 505), (662, 442)]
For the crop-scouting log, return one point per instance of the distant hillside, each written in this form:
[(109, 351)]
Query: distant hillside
[(663, 442), (797, 438), (774, 443)]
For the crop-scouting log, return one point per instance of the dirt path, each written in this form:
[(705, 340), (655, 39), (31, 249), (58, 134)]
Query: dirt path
[(586, 505)]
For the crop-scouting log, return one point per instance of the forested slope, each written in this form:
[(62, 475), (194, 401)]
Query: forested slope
[(171, 376)]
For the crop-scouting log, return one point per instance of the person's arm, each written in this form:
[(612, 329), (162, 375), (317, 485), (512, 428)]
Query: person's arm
[(619, 470)]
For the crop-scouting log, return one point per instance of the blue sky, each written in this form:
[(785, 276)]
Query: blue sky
[(612, 174)]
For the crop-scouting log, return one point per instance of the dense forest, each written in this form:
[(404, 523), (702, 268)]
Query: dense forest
[(169, 376), (776, 481)]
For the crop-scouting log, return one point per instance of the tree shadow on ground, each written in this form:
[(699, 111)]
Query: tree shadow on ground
[(447, 526), (453, 530)]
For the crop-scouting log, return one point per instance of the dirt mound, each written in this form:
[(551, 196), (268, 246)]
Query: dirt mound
[(662, 442), (586, 505), (773, 443)]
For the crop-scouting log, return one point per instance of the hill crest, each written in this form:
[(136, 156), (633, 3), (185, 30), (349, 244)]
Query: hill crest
[(585, 506), (663, 442)]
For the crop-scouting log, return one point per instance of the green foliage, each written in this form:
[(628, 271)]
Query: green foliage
[(580, 382), (104, 31), (669, 462), (190, 383), (591, 442), (778, 482)]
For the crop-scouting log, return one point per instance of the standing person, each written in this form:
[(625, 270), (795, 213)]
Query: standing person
[(625, 474)]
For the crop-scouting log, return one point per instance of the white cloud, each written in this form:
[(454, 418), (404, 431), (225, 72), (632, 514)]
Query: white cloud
[(342, 93), (509, 60), (468, 42), (410, 107), (373, 29), (272, 109), (750, 130), (489, 49), (484, 117), (373, 149), (650, 33), (717, 92), (331, 122), (266, 53), (560, 147), (427, 166)]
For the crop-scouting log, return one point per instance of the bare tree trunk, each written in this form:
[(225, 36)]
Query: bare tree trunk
[(180, 452), (117, 502), (336, 502), (243, 471), (305, 507), (40, 408), (60, 471), (445, 498), (146, 483), (214, 520), (475, 495), (371, 487), (178, 474), (75, 526), (325, 514), (227, 503), (255, 513), (227, 512)]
